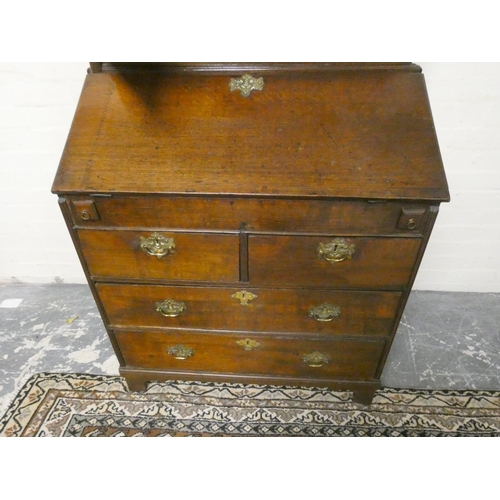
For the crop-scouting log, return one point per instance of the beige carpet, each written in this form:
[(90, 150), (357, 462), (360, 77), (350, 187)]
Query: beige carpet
[(90, 405)]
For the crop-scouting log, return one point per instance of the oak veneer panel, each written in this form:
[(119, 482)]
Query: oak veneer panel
[(362, 313), (197, 257), (365, 134), (293, 260), (279, 356)]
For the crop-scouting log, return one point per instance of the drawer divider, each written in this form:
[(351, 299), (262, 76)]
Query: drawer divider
[(244, 275)]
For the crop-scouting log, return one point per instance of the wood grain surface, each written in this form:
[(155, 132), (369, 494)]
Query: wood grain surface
[(293, 260), (280, 357), (347, 134), (272, 310), (197, 257), (252, 214)]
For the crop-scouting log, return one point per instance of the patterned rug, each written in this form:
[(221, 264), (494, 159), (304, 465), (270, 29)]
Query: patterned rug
[(91, 405)]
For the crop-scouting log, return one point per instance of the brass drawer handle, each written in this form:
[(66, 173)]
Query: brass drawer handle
[(180, 351), (248, 344), (316, 359), (244, 297), (336, 251), (170, 308), (324, 312), (246, 84), (158, 245)]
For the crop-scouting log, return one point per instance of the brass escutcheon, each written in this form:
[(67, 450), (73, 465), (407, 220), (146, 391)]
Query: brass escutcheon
[(336, 250), (180, 351), (158, 245), (316, 359), (324, 312), (248, 344), (244, 297), (246, 84), (170, 308)]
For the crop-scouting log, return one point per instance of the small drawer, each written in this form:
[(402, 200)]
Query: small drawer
[(320, 312), (331, 261), (256, 355), (160, 255)]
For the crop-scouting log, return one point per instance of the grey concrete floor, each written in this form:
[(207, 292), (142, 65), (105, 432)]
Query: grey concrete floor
[(445, 340)]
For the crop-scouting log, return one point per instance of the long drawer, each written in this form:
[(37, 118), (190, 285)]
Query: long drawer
[(331, 261), (186, 256), (257, 355), (322, 312), (255, 214)]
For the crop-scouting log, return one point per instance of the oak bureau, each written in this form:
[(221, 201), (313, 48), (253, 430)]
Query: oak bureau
[(252, 222)]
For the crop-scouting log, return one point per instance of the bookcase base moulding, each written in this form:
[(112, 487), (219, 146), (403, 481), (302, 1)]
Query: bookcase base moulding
[(252, 222)]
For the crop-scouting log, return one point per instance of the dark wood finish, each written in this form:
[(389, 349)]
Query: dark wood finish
[(430, 224), (412, 219), (362, 390), (95, 67), (85, 211), (248, 188), (293, 260), (364, 394), (254, 214), (272, 310), (359, 134), (182, 67), (243, 254), (198, 257), (281, 357), (136, 381)]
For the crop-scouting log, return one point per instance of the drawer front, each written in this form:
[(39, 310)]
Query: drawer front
[(302, 260), (187, 256), (319, 312), (257, 355), (273, 215)]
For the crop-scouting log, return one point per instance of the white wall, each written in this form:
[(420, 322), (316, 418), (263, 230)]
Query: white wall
[(464, 250), (37, 102)]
